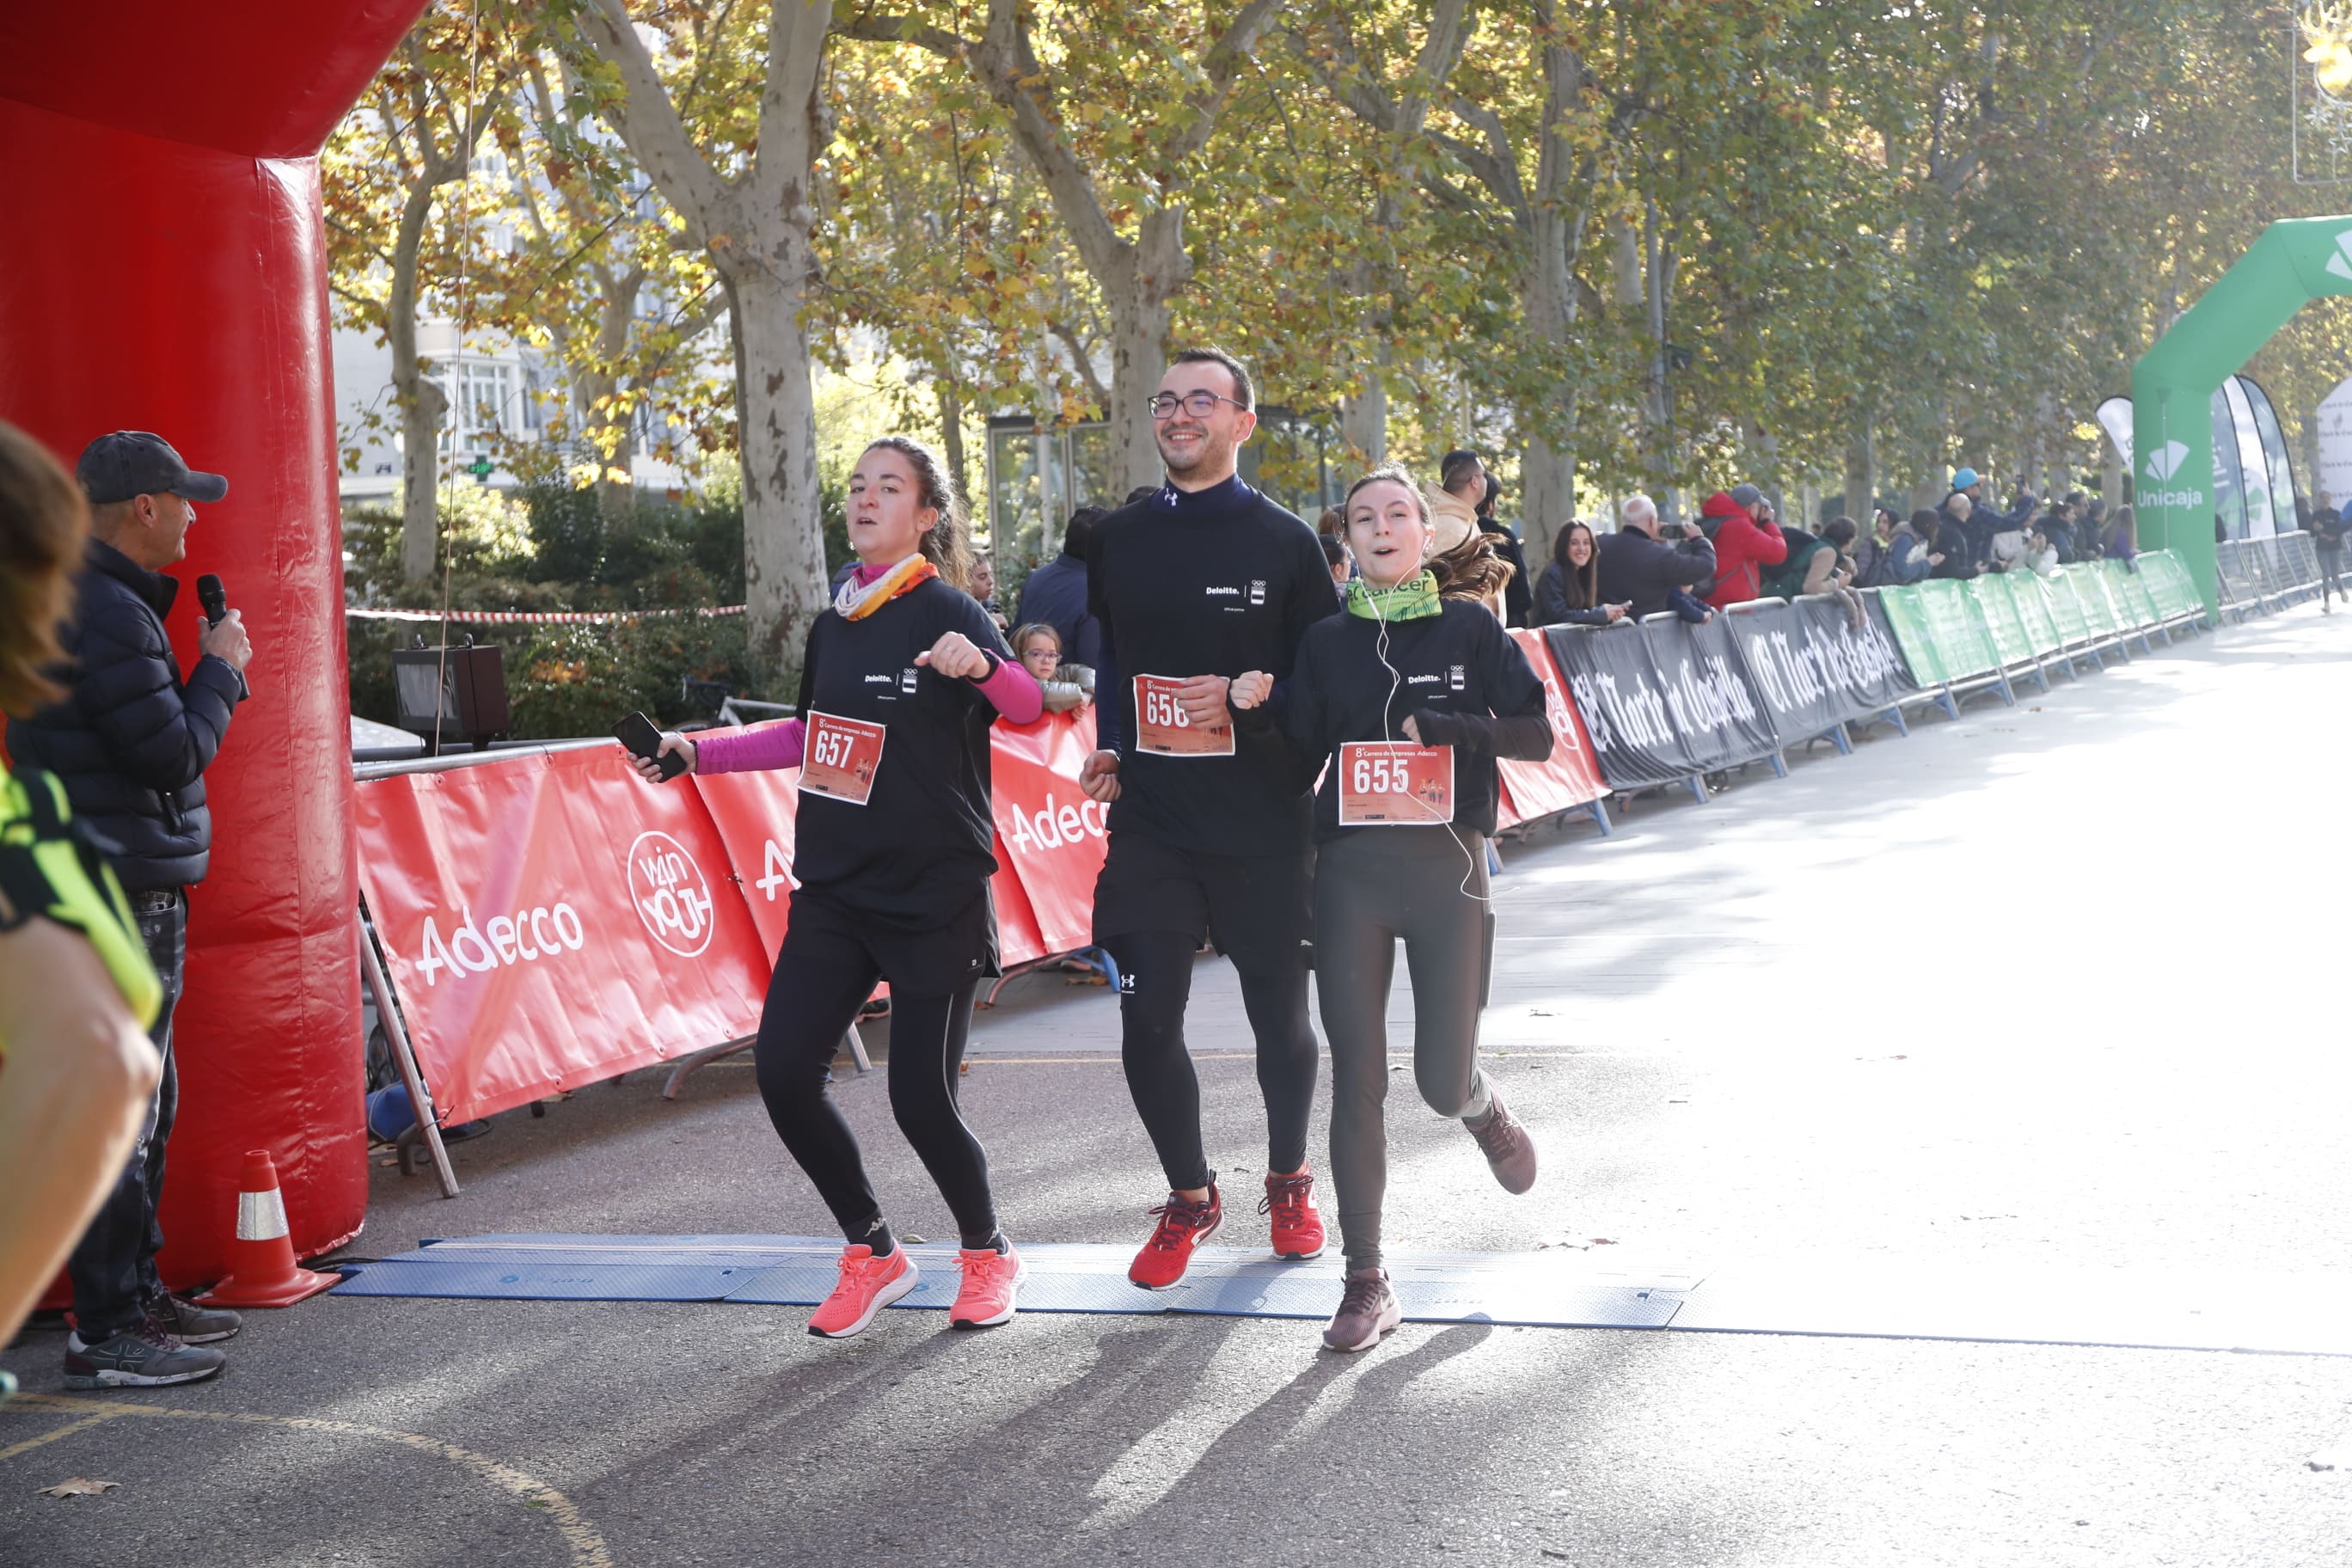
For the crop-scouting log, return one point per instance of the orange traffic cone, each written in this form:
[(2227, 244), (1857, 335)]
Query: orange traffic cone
[(266, 1274)]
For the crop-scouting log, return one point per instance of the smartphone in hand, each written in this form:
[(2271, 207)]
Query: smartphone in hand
[(642, 739)]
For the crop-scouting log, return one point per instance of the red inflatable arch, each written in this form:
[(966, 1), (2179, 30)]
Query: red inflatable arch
[(162, 270)]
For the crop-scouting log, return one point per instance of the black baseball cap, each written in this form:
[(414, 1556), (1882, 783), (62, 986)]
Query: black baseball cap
[(129, 463)]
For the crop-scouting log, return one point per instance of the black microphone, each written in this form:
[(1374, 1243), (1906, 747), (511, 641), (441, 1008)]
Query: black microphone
[(213, 597)]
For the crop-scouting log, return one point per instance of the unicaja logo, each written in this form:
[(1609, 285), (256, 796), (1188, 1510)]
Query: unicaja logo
[(2162, 466), (2340, 263)]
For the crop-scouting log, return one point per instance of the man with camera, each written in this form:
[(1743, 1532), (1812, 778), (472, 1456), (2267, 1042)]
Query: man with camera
[(131, 743), (1638, 569)]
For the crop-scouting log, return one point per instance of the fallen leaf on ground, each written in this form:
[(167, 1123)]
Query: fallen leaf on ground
[(916, 1240), (79, 1486)]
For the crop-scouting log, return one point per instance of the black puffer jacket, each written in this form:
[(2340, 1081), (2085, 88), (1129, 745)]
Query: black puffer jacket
[(131, 742)]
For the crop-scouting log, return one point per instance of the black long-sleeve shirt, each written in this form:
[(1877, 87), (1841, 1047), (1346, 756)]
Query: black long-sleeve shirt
[(1639, 571), (919, 851), (1458, 675), (1214, 582)]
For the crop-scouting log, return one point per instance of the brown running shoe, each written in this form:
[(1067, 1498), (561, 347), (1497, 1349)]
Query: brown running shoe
[(1509, 1151), (1366, 1311)]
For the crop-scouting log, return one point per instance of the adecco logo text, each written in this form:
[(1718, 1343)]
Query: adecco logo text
[(1057, 825), (670, 893), (2161, 465), (518, 938)]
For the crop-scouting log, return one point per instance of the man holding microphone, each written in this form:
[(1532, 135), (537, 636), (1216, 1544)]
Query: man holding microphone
[(131, 743)]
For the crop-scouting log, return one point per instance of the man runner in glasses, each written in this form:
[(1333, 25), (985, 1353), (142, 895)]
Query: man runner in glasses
[(1200, 582)]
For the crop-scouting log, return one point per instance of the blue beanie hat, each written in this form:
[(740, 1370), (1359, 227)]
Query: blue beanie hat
[(1964, 479)]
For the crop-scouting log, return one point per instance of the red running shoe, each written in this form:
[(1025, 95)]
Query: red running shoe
[(1297, 1228), (867, 1285), (1182, 1226)]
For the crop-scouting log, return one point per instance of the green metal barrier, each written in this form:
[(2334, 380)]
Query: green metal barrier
[(1956, 622), (1996, 602), (1909, 619), (2033, 598), (2066, 607)]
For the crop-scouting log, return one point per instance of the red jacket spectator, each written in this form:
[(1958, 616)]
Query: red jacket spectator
[(1742, 548)]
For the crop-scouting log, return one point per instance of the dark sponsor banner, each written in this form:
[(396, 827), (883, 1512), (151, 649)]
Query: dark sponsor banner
[(1708, 693), (1662, 701), (1814, 668)]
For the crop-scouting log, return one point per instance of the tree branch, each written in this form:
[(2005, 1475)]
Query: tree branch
[(649, 123)]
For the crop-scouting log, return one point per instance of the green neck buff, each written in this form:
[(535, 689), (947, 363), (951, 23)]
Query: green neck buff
[(1413, 599)]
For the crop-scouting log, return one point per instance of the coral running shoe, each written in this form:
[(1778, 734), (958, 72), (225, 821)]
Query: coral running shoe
[(991, 1279), (1183, 1225), (867, 1285), (1297, 1228)]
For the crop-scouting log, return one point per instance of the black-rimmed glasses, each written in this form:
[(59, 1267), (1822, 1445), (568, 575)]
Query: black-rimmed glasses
[(1198, 404)]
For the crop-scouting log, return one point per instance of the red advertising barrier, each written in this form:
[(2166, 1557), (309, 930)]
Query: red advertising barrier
[(1569, 778), (551, 922), (1047, 832), (756, 814)]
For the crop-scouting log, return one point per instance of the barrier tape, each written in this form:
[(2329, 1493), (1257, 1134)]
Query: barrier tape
[(535, 617)]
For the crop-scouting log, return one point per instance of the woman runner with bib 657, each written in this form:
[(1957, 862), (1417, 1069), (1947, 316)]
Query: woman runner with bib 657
[(901, 681), (1410, 697)]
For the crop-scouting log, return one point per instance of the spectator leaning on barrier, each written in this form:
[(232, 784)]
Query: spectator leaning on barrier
[(1056, 592), (1343, 566), (1519, 594), (1869, 550), (1639, 571), (2006, 548), (130, 744), (1810, 564), (1910, 550), (1038, 647), (2122, 536), (1568, 592), (1952, 541), (77, 991), (983, 588), (1744, 545), (1466, 563), (2057, 527)]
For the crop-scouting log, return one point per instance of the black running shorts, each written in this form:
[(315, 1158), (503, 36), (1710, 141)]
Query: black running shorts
[(1257, 908), (922, 963)]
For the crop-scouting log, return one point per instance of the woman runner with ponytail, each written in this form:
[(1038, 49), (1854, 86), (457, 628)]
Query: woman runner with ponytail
[(901, 679), (1410, 696)]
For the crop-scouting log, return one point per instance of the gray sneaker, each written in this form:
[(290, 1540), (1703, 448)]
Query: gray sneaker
[(1368, 1309), (147, 1356), (1510, 1152), (191, 1323)]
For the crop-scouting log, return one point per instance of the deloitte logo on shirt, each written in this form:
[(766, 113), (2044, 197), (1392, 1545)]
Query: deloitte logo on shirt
[(2161, 465)]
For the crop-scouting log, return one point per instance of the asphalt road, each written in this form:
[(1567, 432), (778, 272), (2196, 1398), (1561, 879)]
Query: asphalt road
[(2054, 988)]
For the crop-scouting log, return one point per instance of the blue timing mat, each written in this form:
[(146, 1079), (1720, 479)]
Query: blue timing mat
[(1529, 1289), (2182, 1311)]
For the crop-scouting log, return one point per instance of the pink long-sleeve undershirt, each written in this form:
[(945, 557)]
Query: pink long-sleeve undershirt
[(1011, 690)]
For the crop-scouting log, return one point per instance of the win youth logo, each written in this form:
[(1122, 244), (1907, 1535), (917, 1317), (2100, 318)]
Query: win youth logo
[(671, 894), (2162, 465)]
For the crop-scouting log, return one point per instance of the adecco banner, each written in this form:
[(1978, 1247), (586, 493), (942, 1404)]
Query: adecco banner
[(1048, 833), (755, 814), (551, 922), (1571, 776)]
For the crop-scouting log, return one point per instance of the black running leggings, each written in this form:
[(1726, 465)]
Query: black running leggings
[(822, 978), (1373, 886), (1156, 982)]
